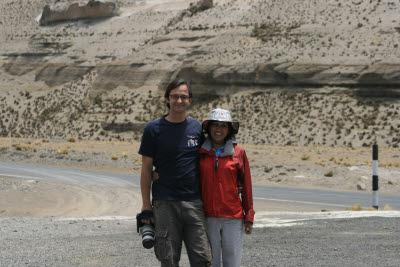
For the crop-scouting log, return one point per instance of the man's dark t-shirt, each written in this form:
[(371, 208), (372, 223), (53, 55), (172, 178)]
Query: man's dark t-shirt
[(174, 149)]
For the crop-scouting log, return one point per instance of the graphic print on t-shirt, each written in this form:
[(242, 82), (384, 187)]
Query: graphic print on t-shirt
[(192, 141)]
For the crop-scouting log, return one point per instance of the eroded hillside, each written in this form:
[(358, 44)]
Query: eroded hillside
[(292, 72)]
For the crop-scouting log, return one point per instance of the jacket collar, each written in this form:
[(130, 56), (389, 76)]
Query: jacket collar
[(228, 147)]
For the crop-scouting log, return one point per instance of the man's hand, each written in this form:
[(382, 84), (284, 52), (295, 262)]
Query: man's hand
[(149, 220), (248, 228)]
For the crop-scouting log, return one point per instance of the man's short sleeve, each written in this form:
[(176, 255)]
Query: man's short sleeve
[(147, 146)]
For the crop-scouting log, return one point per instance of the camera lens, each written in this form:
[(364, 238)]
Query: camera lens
[(147, 232)]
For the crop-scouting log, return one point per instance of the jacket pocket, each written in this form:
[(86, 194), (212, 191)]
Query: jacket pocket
[(162, 247)]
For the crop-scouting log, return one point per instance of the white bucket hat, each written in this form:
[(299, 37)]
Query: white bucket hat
[(220, 114)]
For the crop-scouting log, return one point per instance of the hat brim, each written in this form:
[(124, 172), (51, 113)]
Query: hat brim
[(235, 125)]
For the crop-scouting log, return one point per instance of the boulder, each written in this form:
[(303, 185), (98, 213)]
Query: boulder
[(92, 10), (361, 186)]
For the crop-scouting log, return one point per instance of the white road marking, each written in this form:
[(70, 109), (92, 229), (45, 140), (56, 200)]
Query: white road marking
[(301, 202), (96, 218), (19, 176), (332, 194), (285, 219)]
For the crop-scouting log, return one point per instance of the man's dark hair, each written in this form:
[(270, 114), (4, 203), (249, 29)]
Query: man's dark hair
[(175, 84), (229, 136)]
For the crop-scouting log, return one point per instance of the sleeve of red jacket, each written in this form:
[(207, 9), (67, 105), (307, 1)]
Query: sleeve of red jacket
[(247, 191)]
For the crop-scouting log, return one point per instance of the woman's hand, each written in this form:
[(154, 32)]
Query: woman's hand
[(248, 228), (154, 176)]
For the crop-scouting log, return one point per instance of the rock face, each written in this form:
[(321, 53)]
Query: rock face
[(93, 10)]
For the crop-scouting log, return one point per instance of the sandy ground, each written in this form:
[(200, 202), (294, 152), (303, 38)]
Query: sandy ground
[(38, 198), (300, 167)]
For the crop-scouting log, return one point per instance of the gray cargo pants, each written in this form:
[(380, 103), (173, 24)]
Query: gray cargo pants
[(177, 221)]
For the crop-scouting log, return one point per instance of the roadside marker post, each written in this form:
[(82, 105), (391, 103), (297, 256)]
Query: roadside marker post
[(375, 196)]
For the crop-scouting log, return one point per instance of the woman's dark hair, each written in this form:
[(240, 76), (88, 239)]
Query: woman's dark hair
[(175, 84), (229, 136)]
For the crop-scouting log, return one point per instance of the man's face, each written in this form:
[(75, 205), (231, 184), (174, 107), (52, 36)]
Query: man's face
[(179, 99)]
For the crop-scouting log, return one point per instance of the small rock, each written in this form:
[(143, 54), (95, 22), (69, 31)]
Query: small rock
[(277, 179), (268, 169), (361, 186)]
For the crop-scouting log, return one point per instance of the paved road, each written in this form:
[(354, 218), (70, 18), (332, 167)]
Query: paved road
[(65, 174), (321, 199), (318, 199)]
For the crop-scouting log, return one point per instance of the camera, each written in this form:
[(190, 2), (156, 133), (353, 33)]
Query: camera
[(145, 230)]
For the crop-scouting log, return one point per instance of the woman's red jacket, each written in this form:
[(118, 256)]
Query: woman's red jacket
[(219, 182)]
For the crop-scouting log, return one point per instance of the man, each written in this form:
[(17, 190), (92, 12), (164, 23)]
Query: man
[(171, 144)]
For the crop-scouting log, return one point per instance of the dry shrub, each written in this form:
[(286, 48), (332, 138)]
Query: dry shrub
[(329, 174), (113, 157), (21, 147), (387, 207), (34, 149), (356, 207), (37, 143), (72, 139), (4, 147), (45, 141), (138, 161), (323, 164), (305, 157), (64, 151), (125, 155), (371, 209)]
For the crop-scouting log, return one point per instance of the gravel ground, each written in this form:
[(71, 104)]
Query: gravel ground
[(371, 241)]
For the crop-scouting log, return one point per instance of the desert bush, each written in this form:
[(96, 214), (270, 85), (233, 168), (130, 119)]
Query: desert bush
[(323, 164), (22, 147), (356, 207), (305, 157), (114, 157), (64, 151), (329, 174), (387, 207), (37, 143), (72, 139)]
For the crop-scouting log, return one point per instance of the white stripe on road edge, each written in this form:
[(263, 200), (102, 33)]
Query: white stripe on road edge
[(302, 202), (96, 218), (19, 176), (283, 219)]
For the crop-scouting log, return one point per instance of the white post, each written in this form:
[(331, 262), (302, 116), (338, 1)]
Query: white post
[(375, 196)]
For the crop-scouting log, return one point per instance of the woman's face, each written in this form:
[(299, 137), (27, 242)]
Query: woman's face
[(218, 131)]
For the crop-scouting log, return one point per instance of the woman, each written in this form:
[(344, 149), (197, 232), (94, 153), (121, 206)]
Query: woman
[(224, 169)]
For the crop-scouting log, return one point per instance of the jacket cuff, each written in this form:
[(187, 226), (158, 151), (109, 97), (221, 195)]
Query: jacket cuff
[(249, 217)]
